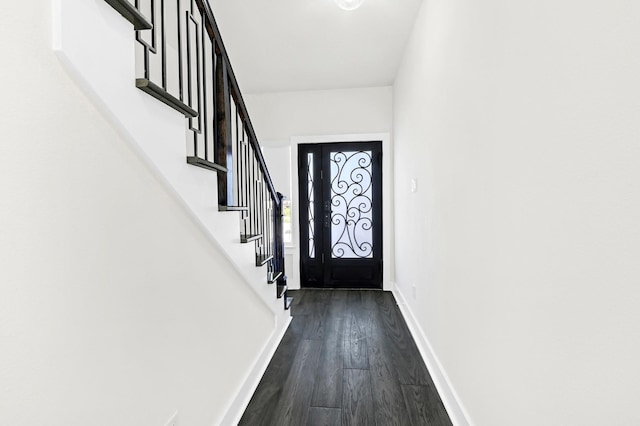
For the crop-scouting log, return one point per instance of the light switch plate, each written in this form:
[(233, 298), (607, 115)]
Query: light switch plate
[(414, 185)]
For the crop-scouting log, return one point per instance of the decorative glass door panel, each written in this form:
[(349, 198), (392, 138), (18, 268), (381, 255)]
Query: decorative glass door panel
[(310, 210), (351, 208), (341, 214)]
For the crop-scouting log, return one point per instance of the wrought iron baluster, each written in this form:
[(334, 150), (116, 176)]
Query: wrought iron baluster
[(262, 227), (252, 194), (258, 203), (236, 162), (241, 170), (204, 113), (180, 41), (269, 221), (147, 8), (243, 184)]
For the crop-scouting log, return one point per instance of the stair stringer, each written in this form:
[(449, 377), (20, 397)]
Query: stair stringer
[(97, 47)]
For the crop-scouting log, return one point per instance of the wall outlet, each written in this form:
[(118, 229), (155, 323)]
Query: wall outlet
[(173, 421), (413, 290)]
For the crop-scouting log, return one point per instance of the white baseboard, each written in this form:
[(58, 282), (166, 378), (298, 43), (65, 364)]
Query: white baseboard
[(450, 399), (252, 380)]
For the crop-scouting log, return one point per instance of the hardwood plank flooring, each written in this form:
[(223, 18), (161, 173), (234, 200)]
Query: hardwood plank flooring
[(327, 390), (423, 407), (320, 416), (293, 406), (356, 400), (347, 358), (389, 406), (355, 343)]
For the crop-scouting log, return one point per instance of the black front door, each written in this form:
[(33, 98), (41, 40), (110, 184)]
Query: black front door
[(340, 193)]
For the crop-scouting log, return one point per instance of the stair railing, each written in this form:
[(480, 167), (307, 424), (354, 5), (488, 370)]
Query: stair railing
[(182, 61)]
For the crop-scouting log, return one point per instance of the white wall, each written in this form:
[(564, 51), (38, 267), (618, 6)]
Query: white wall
[(116, 306), (520, 121), (326, 116), (278, 159), (278, 116)]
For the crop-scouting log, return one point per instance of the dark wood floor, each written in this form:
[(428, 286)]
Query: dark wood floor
[(346, 359)]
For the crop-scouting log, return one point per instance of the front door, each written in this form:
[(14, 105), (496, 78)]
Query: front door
[(340, 193)]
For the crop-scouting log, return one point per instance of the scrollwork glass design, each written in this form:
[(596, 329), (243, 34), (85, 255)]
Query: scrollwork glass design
[(351, 205), (311, 218)]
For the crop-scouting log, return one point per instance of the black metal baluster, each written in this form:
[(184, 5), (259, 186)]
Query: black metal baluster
[(163, 47), (246, 169), (243, 182), (247, 184), (252, 190), (273, 228), (277, 229), (215, 64), (147, 48), (231, 179), (259, 213), (203, 108), (239, 168), (265, 210), (194, 70), (180, 70), (268, 222), (254, 197), (236, 158), (263, 229)]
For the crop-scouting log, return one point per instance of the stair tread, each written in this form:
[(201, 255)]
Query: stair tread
[(282, 290), (274, 278), (261, 259), (287, 302), (233, 208), (201, 162), (162, 95), (131, 14), (246, 238)]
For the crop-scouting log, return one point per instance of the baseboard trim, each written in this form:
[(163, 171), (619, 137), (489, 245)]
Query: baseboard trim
[(252, 380), (450, 399)]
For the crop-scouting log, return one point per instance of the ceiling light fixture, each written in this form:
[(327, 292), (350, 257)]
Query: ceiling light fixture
[(349, 4)]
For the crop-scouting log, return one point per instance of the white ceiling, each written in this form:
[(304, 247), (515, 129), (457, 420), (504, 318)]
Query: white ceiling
[(287, 45)]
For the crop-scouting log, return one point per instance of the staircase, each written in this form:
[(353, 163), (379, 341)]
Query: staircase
[(182, 62)]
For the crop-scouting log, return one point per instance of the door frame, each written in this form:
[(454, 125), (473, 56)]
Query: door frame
[(324, 270), (387, 205)]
